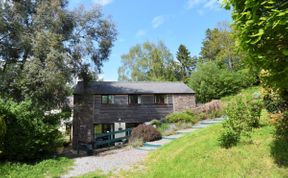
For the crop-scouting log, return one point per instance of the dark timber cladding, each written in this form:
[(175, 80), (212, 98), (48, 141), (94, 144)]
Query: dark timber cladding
[(109, 103)]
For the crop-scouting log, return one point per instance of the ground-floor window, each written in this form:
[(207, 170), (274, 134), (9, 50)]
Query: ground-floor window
[(103, 128), (131, 125)]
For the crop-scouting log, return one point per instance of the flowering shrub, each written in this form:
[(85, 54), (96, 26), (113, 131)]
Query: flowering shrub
[(243, 115), (145, 132)]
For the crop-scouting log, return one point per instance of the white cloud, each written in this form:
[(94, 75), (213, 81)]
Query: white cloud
[(211, 4), (140, 33), (192, 3), (157, 21), (200, 12), (103, 2), (204, 4)]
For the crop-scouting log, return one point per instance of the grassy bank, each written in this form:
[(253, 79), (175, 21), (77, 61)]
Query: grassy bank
[(199, 155), (46, 168)]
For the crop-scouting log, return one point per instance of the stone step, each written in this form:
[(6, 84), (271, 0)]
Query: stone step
[(185, 131), (218, 119), (173, 137), (209, 122), (199, 126), (163, 141), (145, 148), (152, 145)]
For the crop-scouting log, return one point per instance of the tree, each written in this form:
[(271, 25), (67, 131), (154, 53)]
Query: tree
[(43, 46), (219, 45), (263, 32), (187, 64), (147, 61), (212, 82)]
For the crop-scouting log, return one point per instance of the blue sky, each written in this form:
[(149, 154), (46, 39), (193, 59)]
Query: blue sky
[(173, 22)]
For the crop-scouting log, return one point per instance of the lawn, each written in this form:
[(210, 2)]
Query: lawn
[(46, 168), (199, 155)]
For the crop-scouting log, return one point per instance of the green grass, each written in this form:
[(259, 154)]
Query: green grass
[(46, 168), (247, 91), (199, 155)]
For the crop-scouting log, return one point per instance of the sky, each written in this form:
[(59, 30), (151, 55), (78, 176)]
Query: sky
[(173, 22)]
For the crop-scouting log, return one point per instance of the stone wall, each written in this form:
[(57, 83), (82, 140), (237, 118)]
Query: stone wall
[(182, 102), (82, 119)]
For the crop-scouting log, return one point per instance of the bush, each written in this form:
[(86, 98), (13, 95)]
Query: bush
[(135, 142), (2, 132), (229, 138), (155, 122), (282, 127), (181, 117), (30, 133), (212, 82), (243, 115), (145, 132)]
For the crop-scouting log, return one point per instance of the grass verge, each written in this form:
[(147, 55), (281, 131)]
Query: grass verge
[(46, 168), (199, 155)]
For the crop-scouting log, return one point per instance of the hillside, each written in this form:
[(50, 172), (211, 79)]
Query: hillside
[(199, 155)]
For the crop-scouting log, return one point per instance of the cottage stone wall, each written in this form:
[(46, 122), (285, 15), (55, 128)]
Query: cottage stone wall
[(182, 102), (82, 119)]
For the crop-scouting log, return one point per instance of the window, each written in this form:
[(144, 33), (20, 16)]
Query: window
[(134, 99), (107, 99), (160, 99)]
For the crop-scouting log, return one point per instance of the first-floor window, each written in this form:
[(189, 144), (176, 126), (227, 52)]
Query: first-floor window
[(107, 99), (134, 99), (160, 99)]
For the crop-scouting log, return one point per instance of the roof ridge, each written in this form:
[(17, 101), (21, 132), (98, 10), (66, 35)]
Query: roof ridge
[(133, 81)]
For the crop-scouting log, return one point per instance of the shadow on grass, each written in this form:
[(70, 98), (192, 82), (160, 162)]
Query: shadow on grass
[(279, 151)]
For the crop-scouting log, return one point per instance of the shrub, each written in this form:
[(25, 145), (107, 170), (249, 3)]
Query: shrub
[(135, 142), (229, 138), (212, 82), (243, 115), (2, 131), (181, 117), (30, 133), (155, 122), (282, 127), (145, 132)]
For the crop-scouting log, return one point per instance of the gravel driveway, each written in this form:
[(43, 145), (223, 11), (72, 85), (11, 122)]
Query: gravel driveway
[(110, 161)]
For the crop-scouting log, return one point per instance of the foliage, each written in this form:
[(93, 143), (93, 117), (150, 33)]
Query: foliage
[(212, 82), (147, 61), (46, 168), (263, 31), (201, 152), (273, 102), (282, 127), (219, 46), (30, 134), (181, 117), (44, 45), (135, 142), (243, 115), (2, 132), (145, 132), (186, 63), (155, 122)]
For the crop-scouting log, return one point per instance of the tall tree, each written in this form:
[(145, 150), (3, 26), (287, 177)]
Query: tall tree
[(147, 61), (263, 33), (43, 45), (187, 64), (219, 45)]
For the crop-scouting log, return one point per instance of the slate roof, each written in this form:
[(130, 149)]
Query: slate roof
[(96, 87)]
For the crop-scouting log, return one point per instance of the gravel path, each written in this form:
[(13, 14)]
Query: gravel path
[(126, 157), (112, 161)]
